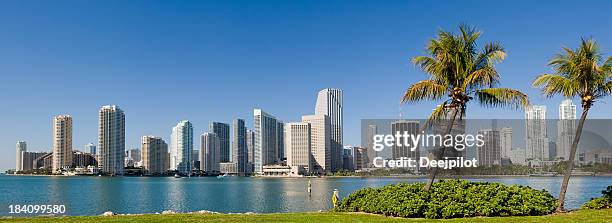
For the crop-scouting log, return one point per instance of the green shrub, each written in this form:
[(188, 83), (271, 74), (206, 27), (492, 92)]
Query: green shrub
[(450, 199), (602, 202)]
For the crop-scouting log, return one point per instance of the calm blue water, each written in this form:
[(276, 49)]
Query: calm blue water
[(95, 195)]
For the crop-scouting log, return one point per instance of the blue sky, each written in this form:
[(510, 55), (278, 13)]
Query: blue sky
[(164, 61)]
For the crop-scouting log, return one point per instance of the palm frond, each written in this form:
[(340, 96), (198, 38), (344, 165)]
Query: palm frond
[(424, 90), (501, 97), (553, 84)]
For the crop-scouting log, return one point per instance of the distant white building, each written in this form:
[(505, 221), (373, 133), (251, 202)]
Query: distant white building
[(297, 143), (21, 147), (329, 102), (517, 156), (566, 129), (537, 148), (505, 135), (266, 136), (320, 142), (90, 148), (111, 140), (182, 148), (210, 152)]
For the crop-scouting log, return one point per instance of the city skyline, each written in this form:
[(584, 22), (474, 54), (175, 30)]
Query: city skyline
[(204, 51)]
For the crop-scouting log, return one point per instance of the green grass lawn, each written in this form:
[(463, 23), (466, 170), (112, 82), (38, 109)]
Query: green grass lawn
[(576, 216)]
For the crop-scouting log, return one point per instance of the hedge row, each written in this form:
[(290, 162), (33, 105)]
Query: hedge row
[(450, 199)]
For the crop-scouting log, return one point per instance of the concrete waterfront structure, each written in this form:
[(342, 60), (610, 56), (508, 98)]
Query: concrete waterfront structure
[(21, 147), (154, 155), (62, 143), (210, 152), (320, 133), (223, 132), (111, 140), (28, 158), (250, 143), (239, 147), (266, 146), (297, 142), (182, 148), (329, 102)]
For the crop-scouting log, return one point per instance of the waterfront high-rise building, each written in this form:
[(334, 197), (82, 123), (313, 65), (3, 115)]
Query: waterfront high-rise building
[(280, 140), (329, 102), (28, 159), (372, 130), (320, 128), (266, 146), (111, 140), (239, 147), (297, 143), (154, 155), (90, 148), (62, 143), (250, 143), (182, 148), (505, 135), (360, 158), (566, 129), (21, 147), (210, 152), (536, 134), (401, 127), (490, 152), (223, 132)]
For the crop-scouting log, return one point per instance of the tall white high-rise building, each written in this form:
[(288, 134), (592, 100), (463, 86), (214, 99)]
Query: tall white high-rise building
[(329, 102), (372, 130), (21, 147), (154, 155), (111, 140), (90, 148), (566, 128), (297, 144), (505, 135), (266, 136), (62, 143), (182, 148), (320, 142), (210, 152), (250, 143), (537, 148)]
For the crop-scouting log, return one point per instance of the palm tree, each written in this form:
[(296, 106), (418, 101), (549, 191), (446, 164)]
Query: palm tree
[(577, 73), (458, 73)]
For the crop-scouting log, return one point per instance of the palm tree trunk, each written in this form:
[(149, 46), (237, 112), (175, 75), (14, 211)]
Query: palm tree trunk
[(434, 171), (570, 165)]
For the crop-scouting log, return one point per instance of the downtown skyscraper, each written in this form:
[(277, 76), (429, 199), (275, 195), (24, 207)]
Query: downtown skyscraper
[(566, 129), (21, 148), (412, 128), (297, 142), (223, 132), (62, 143), (329, 102), (320, 142), (154, 155), (266, 136), (239, 146), (111, 140), (210, 152), (537, 144), (181, 151)]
